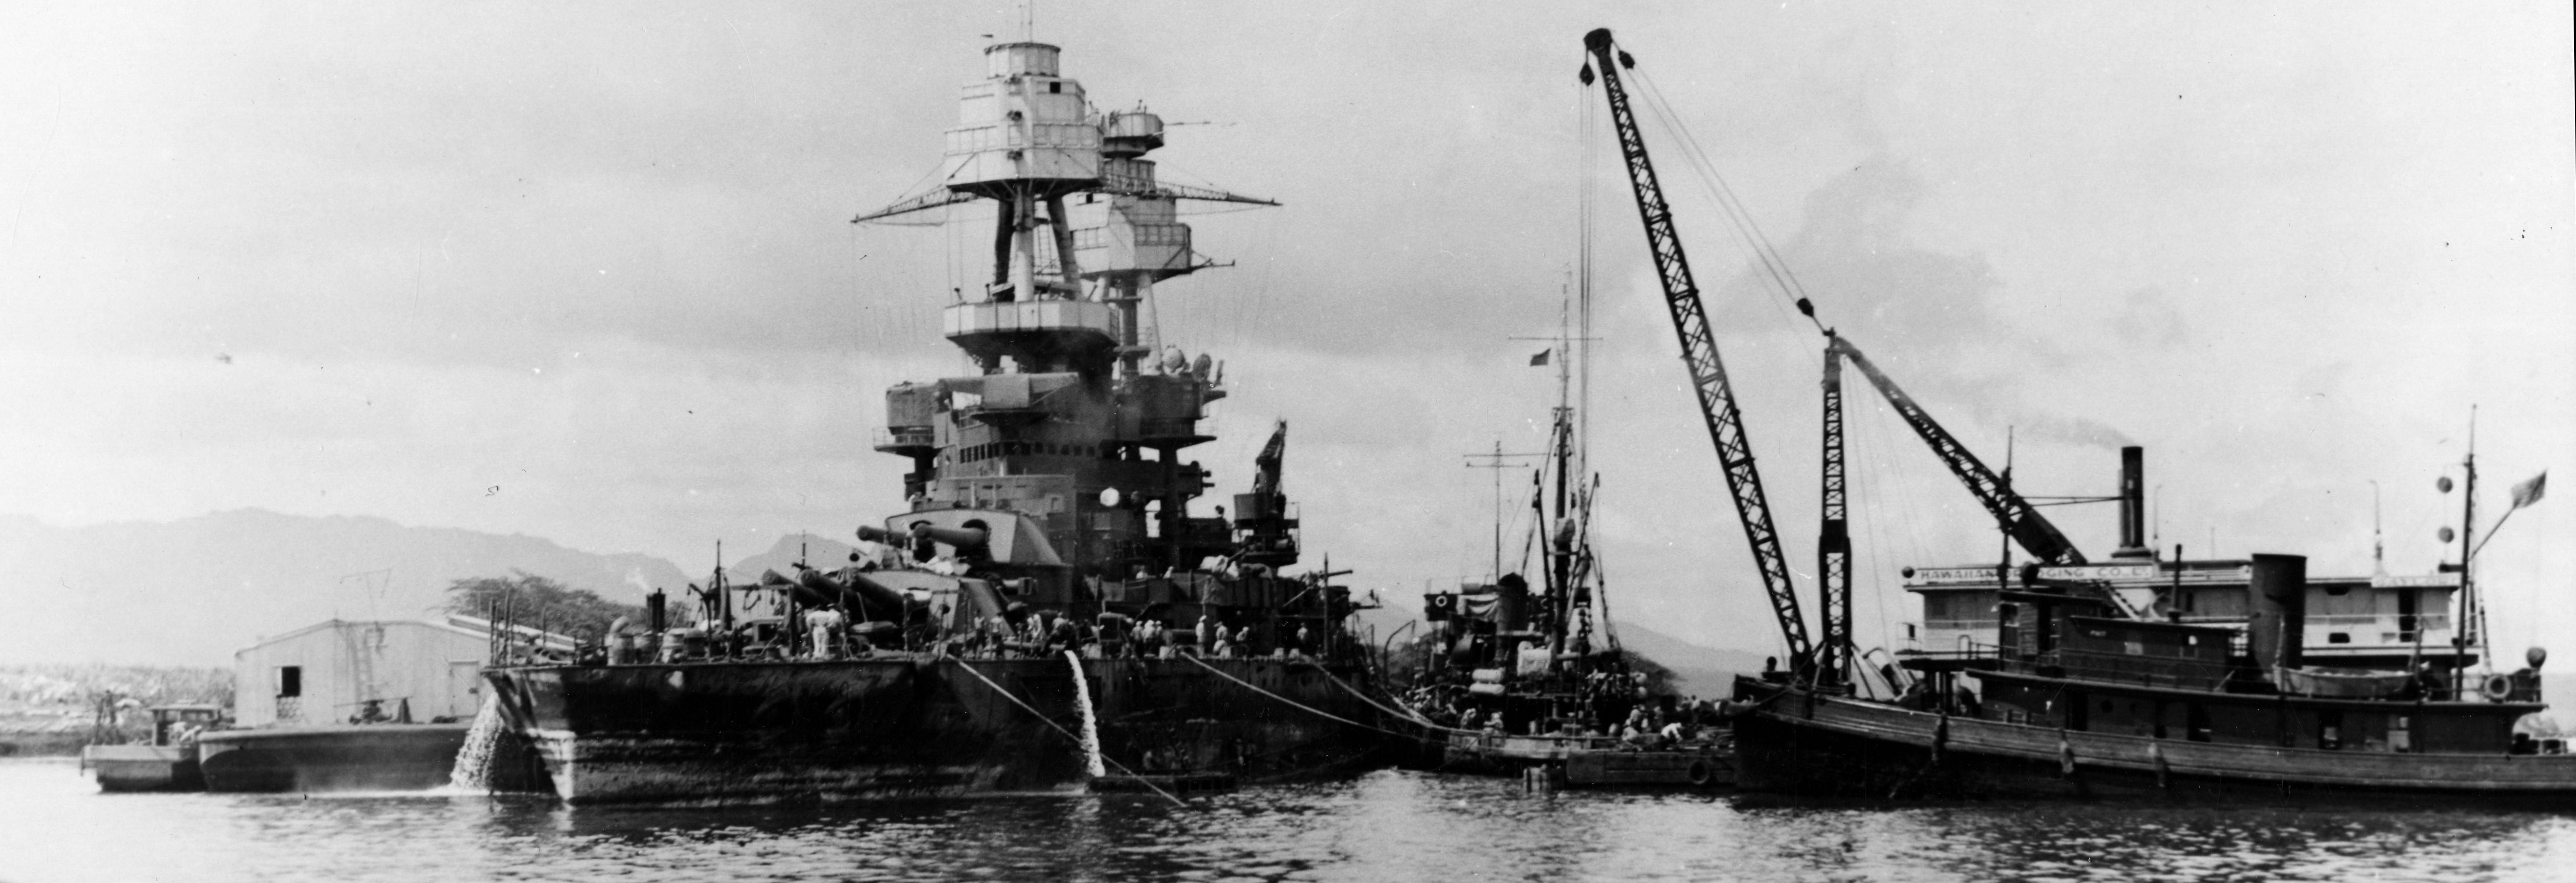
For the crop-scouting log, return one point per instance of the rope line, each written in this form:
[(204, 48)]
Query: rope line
[(1406, 713), (1041, 716), (1309, 709)]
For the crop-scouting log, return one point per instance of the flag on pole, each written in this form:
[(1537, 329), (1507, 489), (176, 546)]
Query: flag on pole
[(1541, 358), (2529, 492)]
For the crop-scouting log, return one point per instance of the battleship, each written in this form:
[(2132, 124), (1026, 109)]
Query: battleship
[(1046, 611)]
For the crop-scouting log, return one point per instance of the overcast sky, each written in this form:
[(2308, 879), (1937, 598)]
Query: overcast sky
[(583, 271)]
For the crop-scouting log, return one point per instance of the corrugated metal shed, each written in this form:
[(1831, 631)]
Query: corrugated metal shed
[(324, 673)]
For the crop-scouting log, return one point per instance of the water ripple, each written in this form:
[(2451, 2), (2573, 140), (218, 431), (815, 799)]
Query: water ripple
[(1385, 826)]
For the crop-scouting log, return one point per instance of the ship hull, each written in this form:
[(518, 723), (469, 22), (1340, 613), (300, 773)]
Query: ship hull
[(912, 726), (1798, 742), (144, 767), (363, 757)]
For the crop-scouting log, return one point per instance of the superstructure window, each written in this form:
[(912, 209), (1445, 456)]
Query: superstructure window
[(290, 681)]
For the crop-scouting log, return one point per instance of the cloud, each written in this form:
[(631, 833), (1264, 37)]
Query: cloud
[(2149, 317)]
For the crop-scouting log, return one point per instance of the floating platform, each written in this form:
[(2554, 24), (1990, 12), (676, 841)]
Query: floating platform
[(358, 757), (1592, 761), (144, 767)]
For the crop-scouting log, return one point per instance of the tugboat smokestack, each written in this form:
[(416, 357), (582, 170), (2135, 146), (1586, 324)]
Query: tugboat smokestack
[(2133, 504), (2276, 635)]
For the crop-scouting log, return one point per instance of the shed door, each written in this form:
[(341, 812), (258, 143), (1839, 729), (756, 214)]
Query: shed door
[(464, 689)]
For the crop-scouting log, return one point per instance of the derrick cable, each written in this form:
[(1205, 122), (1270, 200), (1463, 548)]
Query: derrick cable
[(1588, 185), (1696, 157), (1292, 703), (1077, 740), (1913, 535), (1699, 167), (1870, 488), (1736, 224), (1601, 590)]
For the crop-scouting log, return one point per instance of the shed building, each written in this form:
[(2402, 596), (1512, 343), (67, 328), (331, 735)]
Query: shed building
[(326, 673)]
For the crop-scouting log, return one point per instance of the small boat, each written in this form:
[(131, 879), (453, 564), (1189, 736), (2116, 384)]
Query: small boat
[(1531, 680), (166, 763)]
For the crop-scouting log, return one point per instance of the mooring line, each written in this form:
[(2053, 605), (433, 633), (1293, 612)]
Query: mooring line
[(1248, 685), (1077, 740), (1406, 713)]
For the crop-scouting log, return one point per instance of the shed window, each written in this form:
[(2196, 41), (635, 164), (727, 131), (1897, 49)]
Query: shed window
[(290, 681)]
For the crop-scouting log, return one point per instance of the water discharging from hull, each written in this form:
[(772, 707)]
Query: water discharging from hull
[(473, 770), (1091, 763)]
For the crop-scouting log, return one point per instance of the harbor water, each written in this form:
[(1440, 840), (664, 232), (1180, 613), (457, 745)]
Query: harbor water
[(1383, 826)]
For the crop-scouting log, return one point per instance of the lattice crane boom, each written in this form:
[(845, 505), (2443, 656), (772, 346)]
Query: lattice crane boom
[(2018, 517), (1699, 350), (1833, 541)]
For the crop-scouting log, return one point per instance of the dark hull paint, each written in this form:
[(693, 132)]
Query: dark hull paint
[(905, 726), (1807, 745), (144, 767), (371, 757), (1586, 761)]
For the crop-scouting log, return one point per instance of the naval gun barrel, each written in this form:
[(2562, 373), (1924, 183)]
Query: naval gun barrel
[(960, 537), (859, 591)]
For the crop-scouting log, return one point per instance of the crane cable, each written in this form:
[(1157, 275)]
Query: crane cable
[(1784, 281)]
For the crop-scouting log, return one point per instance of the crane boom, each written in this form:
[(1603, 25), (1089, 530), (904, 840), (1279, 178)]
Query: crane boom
[(1699, 351), (1833, 539), (2018, 518)]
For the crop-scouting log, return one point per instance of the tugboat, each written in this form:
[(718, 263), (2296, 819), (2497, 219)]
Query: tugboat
[(1047, 612), (2134, 677), (1535, 683), (2175, 679)]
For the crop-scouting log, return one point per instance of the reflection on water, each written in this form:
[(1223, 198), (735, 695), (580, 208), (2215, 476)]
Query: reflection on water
[(1385, 826)]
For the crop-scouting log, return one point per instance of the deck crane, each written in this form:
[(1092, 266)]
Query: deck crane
[(2017, 516), (1699, 351)]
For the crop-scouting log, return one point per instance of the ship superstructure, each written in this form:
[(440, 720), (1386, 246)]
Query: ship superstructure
[(1074, 424)]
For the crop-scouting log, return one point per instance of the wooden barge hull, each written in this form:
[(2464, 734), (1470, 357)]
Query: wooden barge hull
[(915, 726), (360, 757), (144, 767), (1587, 761), (1803, 743)]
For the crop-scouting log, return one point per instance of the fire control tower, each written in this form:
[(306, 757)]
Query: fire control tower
[(1073, 422)]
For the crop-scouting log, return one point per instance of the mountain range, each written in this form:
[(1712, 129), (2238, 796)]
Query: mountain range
[(194, 590)]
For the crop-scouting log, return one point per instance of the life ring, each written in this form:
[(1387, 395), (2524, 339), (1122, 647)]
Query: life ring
[(2496, 687), (1700, 773), (1443, 605)]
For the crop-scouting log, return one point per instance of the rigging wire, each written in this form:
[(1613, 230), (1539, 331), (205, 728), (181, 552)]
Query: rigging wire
[(1714, 185), (1587, 187)]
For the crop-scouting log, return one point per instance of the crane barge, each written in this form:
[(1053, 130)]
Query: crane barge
[(2137, 677)]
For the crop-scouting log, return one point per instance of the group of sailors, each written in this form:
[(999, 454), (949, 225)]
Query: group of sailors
[(1647, 725), (1118, 636)]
